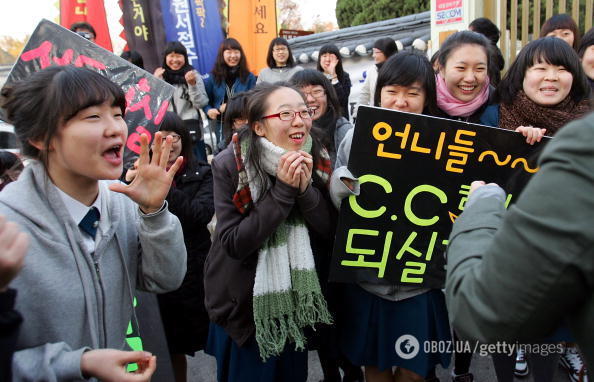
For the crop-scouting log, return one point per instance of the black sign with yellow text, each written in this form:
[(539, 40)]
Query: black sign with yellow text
[(415, 173)]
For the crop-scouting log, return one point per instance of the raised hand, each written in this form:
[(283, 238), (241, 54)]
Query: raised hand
[(159, 73), (109, 365), (532, 134), (13, 247), (152, 181), (289, 168), (190, 77)]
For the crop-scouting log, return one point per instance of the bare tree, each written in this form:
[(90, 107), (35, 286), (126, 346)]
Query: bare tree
[(289, 14)]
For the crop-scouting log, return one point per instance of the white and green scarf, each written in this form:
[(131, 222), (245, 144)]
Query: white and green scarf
[(287, 294)]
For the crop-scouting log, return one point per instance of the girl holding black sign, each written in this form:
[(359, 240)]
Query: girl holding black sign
[(379, 314), (544, 89), (92, 242)]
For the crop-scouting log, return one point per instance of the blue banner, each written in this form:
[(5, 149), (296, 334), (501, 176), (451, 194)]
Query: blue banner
[(197, 25)]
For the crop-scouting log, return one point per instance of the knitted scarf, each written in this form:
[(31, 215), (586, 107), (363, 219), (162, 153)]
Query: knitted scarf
[(287, 294), (176, 77), (452, 105), (525, 112)]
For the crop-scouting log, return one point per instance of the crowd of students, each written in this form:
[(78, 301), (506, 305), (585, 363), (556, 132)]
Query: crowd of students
[(254, 292)]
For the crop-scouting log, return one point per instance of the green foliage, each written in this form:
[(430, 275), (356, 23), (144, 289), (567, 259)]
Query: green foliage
[(357, 12)]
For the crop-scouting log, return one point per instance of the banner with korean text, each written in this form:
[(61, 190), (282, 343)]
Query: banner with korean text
[(253, 24), (415, 173), (197, 25), (143, 25)]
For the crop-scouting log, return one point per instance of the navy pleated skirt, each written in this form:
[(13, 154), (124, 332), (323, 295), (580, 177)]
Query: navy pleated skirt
[(373, 328), (239, 364)]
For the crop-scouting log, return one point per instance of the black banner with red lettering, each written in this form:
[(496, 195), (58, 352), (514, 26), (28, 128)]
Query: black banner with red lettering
[(415, 173), (147, 97)]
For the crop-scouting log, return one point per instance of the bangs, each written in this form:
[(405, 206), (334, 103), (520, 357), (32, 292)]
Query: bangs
[(73, 91), (553, 51), (231, 44)]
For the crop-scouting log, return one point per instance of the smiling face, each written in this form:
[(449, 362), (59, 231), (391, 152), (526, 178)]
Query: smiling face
[(588, 62), (404, 98), (564, 34), (176, 146), (316, 98), (465, 72), (280, 54), (231, 57), (175, 61), (88, 147), (547, 84), (290, 135)]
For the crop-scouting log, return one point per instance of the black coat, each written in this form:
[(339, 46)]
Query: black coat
[(10, 321), (184, 316)]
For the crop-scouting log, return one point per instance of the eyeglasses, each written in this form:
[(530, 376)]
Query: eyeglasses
[(174, 138), (289, 115), (317, 93), (278, 50)]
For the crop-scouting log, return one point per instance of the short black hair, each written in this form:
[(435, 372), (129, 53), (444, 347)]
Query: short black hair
[(83, 25), (39, 104), (134, 57), (387, 45), (485, 27), (270, 59), (587, 40), (561, 21), (332, 49), (461, 38), (551, 50), (310, 77), (404, 69), (307, 77), (172, 122), (236, 109)]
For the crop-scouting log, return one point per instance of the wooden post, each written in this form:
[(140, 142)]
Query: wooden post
[(514, 30)]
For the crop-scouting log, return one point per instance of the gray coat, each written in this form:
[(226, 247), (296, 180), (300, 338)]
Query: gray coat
[(73, 300), (519, 275)]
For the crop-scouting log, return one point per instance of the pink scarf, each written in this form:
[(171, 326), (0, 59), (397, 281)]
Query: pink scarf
[(453, 106)]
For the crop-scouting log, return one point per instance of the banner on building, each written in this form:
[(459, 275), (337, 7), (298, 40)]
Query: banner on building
[(415, 173)]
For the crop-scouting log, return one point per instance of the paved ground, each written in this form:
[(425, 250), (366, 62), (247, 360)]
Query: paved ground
[(203, 369)]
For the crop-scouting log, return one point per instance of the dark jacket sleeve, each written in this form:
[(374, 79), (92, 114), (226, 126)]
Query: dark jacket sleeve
[(316, 208), (10, 320), (242, 235), (516, 275), (343, 91), (197, 209)]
